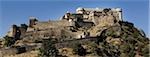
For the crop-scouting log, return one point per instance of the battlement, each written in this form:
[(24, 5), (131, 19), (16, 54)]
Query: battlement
[(97, 9), (115, 11)]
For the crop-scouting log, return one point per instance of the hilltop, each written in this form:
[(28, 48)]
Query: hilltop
[(89, 32)]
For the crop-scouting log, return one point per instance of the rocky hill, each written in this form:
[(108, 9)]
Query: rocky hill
[(90, 32)]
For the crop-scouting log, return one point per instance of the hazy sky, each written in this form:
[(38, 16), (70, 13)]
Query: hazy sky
[(18, 12)]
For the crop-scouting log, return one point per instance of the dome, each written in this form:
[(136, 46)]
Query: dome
[(68, 12), (31, 17), (118, 9), (79, 9)]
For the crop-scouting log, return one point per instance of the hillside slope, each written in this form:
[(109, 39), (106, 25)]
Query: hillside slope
[(86, 33)]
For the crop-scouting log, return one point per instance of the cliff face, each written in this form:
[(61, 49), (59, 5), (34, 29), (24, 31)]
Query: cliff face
[(88, 32)]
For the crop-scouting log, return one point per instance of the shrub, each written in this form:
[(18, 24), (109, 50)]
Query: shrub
[(48, 49), (80, 50), (9, 41)]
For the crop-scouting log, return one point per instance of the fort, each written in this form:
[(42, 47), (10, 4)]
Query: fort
[(82, 22), (93, 29)]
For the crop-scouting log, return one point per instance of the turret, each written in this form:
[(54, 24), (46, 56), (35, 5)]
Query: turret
[(32, 21), (80, 10), (67, 15), (14, 30), (119, 12), (23, 28)]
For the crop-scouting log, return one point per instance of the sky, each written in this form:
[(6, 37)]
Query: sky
[(18, 11)]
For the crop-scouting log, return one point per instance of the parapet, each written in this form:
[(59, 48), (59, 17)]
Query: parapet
[(97, 9), (117, 11)]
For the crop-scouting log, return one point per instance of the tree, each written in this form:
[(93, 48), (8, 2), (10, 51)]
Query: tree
[(9, 41), (80, 50), (48, 49)]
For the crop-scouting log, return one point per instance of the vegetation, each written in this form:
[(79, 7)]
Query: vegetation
[(80, 50), (48, 49), (133, 43), (9, 41)]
